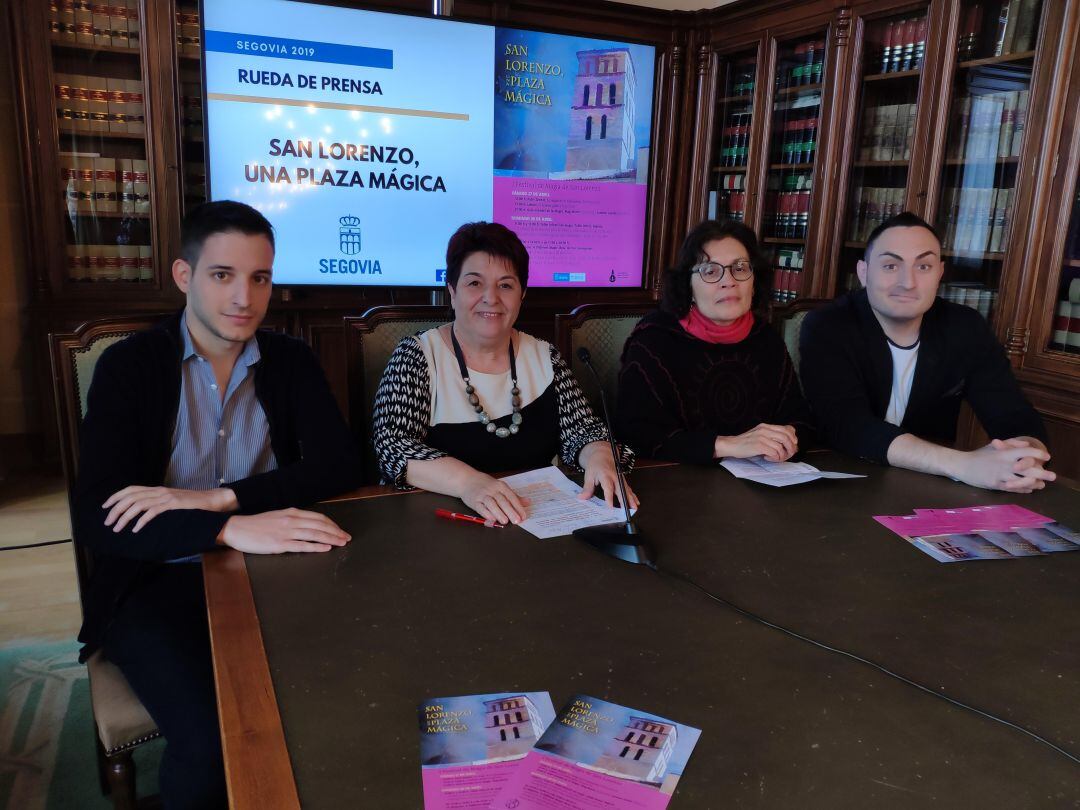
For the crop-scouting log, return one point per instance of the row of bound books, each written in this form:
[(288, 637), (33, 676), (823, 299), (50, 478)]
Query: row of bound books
[(887, 132), (93, 185), (735, 138), (872, 205), (970, 294), (989, 126), (790, 207), (902, 46), (114, 24), (188, 39), (110, 263), (803, 66), (99, 104), (976, 219), (787, 275)]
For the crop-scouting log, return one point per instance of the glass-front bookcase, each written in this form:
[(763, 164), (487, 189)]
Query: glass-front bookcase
[(735, 113), (794, 133), (99, 95), (190, 114), (991, 94), (891, 85)]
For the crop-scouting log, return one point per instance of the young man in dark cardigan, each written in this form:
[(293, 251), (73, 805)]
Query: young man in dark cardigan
[(200, 433), (886, 368)]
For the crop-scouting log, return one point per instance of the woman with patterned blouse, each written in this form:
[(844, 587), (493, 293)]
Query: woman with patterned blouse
[(476, 397)]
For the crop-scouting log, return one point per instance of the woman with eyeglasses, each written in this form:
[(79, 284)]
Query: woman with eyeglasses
[(706, 377)]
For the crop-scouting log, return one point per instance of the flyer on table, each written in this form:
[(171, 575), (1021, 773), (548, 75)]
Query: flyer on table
[(469, 746), (599, 754), (368, 138)]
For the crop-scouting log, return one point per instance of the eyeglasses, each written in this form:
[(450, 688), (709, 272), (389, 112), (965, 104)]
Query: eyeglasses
[(712, 272)]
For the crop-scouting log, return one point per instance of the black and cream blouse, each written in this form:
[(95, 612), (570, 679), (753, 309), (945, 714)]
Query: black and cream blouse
[(422, 412)]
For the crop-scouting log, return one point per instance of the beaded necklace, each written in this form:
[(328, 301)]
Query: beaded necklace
[(474, 400)]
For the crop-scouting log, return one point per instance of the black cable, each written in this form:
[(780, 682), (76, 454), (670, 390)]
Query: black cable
[(35, 545), (866, 661)]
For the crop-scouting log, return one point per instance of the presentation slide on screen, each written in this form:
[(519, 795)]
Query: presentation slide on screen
[(367, 138)]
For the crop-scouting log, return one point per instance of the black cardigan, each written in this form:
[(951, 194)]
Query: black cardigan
[(678, 393), (126, 439), (846, 371)]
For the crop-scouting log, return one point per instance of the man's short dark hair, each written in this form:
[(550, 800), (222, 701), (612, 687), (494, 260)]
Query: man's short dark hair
[(490, 238), (905, 219), (221, 216), (676, 296)]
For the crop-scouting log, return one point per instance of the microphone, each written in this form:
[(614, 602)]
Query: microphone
[(622, 540)]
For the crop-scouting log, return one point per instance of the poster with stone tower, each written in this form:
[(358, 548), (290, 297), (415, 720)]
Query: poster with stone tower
[(601, 142)]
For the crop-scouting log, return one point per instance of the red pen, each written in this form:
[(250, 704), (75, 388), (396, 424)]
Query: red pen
[(448, 515)]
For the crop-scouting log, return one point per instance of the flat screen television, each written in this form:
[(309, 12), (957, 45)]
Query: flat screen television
[(368, 137)]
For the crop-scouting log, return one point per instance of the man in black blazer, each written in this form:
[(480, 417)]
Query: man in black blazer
[(199, 434), (886, 368)]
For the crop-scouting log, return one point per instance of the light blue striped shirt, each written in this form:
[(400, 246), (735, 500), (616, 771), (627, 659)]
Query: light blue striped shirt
[(217, 440)]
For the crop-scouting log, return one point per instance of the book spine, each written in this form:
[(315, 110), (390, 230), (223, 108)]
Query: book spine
[(1002, 28), (66, 19), (105, 185), (1025, 26), (908, 56), (1009, 38), (1008, 125), (141, 186), (134, 24), (1019, 121), (886, 47), (146, 264), (1073, 338), (920, 44), (99, 15), (129, 262), (1060, 337), (118, 31), (76, 263)]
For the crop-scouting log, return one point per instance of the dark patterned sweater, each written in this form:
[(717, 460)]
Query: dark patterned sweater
[(678, 393)]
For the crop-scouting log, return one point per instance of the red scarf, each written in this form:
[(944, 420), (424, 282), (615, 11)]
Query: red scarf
[(711, 332)]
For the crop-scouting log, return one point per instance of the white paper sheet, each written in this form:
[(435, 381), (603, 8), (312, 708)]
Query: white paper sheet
[(778, 473), (554, 507)]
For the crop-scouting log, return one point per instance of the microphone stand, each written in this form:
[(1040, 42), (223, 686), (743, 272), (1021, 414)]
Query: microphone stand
[(622, 540)]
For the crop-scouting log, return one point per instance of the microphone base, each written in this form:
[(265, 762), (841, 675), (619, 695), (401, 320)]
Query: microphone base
[(621, 540)]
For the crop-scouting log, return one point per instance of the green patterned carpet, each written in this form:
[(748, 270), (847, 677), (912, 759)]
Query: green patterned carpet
[(47, 756)]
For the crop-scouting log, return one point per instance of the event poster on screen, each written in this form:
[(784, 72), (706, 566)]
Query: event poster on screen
[(598, 755), (471, 745), (367, 138)]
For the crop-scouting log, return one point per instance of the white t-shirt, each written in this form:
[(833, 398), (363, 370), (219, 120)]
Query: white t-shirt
[(904, 359)]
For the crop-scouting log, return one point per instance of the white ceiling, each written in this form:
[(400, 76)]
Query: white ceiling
[(678, 5)]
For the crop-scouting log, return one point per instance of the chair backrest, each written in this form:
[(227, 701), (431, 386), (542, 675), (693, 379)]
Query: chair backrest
[(370, 339), (603, 329), (74, 356), (789, 320)]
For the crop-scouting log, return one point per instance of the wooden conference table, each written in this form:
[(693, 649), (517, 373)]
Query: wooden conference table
[(416, 608)]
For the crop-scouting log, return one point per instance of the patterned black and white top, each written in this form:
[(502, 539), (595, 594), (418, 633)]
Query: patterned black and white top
[(422, 412)]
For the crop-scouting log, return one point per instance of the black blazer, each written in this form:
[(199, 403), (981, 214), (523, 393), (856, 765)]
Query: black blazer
[(846, 372), (126, 439)]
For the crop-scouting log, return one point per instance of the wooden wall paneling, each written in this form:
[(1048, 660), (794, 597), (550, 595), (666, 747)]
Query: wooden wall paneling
[(325, 337), (663, 217), (1034, 178), (703, 134)]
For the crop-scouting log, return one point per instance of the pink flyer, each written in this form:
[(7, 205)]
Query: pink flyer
[(470, 746), (599, 755), (580, 233)]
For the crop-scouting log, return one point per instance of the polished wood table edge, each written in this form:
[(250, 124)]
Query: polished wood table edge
[(258, 771)]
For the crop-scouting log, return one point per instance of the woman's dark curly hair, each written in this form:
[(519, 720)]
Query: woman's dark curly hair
[(676, 296)]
